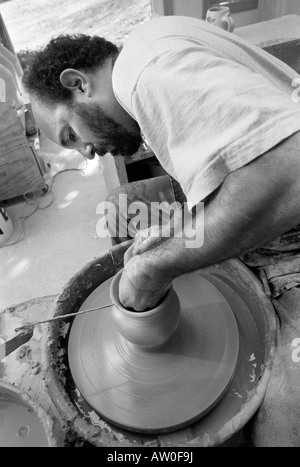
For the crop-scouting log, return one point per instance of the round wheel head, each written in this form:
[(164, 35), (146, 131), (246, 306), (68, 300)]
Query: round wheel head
[(162, 389)]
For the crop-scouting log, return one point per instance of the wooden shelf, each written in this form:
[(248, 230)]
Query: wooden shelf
[(280, 37), (114, 168), (138, 156)]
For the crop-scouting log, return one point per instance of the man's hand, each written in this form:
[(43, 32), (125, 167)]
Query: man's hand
[(149, 238), (254, 206), (140, 287), (139, 299)]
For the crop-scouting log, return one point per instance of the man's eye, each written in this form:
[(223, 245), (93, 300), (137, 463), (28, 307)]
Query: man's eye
[(72, 137)]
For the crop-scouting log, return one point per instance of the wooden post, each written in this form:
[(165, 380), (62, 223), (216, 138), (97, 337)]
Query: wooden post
[(19, 168)]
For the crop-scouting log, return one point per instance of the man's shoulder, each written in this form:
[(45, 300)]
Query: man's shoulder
[(163, 26), (152, 38)]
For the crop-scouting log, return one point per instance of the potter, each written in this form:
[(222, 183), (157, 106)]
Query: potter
[(218, 140), (96, 107)]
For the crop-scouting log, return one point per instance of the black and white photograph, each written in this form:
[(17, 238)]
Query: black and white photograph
[(150, 226)]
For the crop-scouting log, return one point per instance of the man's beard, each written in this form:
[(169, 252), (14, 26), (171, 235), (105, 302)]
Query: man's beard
[(107, 135)]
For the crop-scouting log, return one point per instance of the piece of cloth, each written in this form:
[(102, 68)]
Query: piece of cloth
[(277, 422), (278, 264), (207, 101)]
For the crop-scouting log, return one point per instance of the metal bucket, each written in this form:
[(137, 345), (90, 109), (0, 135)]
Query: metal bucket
[(256, 322)]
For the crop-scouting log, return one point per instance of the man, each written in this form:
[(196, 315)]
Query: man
[(209, 105), (217, 112)]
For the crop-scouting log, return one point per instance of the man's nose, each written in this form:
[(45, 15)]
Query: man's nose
[(87, 150)]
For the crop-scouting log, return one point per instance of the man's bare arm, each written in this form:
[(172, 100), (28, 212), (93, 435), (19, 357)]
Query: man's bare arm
[(254, 206)]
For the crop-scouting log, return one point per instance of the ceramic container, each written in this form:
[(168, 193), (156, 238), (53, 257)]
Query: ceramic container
[(146, 329), (220, 16)]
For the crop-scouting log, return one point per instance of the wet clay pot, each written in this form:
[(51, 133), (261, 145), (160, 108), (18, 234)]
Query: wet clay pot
[(147, 329)]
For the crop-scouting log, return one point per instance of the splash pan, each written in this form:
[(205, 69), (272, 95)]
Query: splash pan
[(256, 325), (161, 388)]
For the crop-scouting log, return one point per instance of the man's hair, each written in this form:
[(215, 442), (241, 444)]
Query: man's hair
[(85, 53)]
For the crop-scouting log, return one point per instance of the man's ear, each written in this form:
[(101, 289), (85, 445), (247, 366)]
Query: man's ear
[(75, 80)]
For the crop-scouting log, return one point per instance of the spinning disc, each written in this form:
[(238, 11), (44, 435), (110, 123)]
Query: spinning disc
[(162, 389)]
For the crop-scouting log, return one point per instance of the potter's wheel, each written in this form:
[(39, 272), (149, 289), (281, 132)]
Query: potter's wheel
[(162, 389)]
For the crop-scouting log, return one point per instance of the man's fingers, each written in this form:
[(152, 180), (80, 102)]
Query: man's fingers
[(147, 239), (129, 253), (144, 245)]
